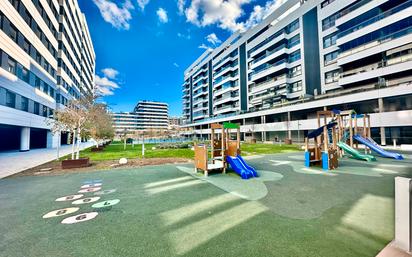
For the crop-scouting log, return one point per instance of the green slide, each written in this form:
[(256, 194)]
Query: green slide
[(355, 154)]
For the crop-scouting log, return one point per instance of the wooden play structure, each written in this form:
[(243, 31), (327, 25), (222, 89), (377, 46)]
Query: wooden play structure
[(217, 152), (324, 151), (224, 142)]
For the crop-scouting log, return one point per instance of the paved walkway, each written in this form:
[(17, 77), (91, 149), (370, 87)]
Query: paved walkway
[(15, 162)]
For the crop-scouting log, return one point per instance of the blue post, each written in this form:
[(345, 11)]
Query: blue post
[(307, 159), (325, 161)]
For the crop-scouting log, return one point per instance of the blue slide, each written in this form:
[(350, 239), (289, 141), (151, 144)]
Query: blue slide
[(375, 147), (240, 167)]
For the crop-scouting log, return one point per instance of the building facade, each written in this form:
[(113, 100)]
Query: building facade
[(46, 59), (304, 57), (147, 115)]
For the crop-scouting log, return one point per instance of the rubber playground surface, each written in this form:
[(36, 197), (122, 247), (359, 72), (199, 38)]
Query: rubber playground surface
[(170, 211)]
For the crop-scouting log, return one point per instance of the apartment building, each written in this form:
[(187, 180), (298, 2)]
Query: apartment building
[(152, 115), (304, 57), (46, 59), (147, 115)]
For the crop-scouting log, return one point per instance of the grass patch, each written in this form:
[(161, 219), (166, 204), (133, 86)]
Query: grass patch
[(258, 149), (116, 151)]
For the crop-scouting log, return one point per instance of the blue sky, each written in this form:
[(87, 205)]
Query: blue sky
[(144, 46)]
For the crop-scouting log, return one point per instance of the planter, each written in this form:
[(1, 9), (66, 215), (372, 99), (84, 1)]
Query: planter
[(97, 149), (80, 163), (288, 141)]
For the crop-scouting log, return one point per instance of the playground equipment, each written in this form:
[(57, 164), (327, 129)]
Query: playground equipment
[(363, 136), (223, 150), (347, 125), (324, 151), (217, 152), (236, 162)]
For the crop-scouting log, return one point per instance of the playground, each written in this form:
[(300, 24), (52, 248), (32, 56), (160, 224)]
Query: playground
[(168, 210)]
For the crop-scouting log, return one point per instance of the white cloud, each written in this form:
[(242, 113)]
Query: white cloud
[(185, 36), (119, 17), (259, 13), (176, 65), (142, 3), (224, 13), (181, 6), (213, 39), (106, 85), (110, 73), (208, 48), (162, 14)]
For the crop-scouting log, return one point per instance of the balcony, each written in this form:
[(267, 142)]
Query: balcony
[(226, 99), (277, 81), (221, 80), (264, 44), (229, 67), (375, 70), (402, 9), (268, 69), (223, 61), (375, 43), (226, 109), (197, 94), (226, 88)]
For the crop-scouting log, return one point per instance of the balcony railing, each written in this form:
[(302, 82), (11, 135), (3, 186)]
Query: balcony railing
[(268, 66), (377, 65), (378, 17), (379, 41), (262, 84)]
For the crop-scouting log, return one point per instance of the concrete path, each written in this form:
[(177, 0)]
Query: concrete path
[(15, 162)]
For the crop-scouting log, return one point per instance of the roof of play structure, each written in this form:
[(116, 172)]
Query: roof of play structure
[(228, 125)]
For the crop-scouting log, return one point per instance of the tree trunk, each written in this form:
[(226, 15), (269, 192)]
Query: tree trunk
[(78, 143), (73, 143)]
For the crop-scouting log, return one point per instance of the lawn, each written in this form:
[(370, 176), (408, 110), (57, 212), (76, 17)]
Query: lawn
[(116, 151), (163, 211)]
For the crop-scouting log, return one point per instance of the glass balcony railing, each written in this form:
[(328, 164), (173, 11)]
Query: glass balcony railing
[(376, 42), (379, 17), (268, 66), (226, 68), (353, 8), (378, 65), (219, 79)]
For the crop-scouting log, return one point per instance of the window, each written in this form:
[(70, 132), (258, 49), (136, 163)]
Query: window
[(329, 21), (295, 87), (25, 75), (26, 46), (12, 66), (295, 71), (292, 26), (37, 82), (294, 56), (44, 111), (331, 76), (10, 99), (36, 109), (13, 33), (24, 104), (331, 57), (330, 40)]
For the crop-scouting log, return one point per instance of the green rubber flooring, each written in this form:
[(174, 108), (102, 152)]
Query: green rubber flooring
[(168, 211)]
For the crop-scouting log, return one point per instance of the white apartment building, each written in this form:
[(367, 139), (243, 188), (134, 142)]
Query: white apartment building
[(304, 57), (46, 59), (147, 115), (152, 115)]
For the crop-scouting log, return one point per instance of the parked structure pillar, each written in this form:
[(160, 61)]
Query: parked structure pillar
[(24, 139), (263, 121), (52, 139), (382, 129), (289, 130), (403, 225)]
